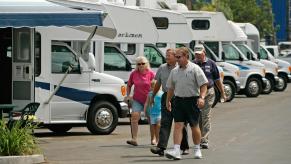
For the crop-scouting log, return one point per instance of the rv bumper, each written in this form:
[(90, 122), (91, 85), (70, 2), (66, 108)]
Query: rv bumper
[(124, 110), (237, 85)]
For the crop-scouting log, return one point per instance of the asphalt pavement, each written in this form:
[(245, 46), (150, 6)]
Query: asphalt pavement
[(247, 130)]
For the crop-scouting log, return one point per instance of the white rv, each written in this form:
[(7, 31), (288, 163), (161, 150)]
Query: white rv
[(241, 43), (254, 42), (130, 37), (42, 67), (284, 72), (210, 27)]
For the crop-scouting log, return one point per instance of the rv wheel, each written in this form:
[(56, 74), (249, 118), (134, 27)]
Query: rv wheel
[(269, 86), (282, 84), (229, 89), (102, 118), (253, 87)]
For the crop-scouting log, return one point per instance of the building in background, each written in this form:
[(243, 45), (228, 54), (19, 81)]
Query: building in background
[(282, 10)]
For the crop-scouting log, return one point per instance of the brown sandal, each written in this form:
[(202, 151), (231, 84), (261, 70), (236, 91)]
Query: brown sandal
[(131, 142)]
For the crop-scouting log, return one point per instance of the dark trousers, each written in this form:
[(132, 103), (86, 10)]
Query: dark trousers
[(166, 125)]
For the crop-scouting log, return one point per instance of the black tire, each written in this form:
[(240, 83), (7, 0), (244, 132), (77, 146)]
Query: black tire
[(102, 118), (59, 128), (282, 83), (217, 96), (229, 89), (253, 87), (270, 85)]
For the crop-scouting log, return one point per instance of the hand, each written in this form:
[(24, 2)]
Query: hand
[(200, 103), (127, 100), (169, 106)]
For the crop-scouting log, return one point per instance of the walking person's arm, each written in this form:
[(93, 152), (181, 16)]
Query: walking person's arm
[(220, 86), (201, 99), (170, 94), (155, 91)]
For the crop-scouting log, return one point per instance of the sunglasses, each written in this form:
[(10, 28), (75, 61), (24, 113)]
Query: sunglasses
[(140, 63), (178, 57)]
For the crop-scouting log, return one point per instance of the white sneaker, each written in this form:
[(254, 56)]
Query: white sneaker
[(197, 154), (173, 154)]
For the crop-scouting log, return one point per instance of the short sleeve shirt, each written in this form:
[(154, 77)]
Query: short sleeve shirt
[(163, 74), (210, 70), (186, 82), (142, 83)]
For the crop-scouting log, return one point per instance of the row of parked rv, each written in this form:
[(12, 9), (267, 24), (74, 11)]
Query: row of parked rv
[(81, 66)]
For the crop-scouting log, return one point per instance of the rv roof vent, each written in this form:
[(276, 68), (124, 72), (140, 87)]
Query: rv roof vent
[(179, 7), (163, 5)]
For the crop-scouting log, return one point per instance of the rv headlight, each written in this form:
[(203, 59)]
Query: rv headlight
[(289, 69), (123, 90)]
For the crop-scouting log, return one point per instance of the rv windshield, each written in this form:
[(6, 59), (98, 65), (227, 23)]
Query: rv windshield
[(231, 53), (246, 51), (154, 56)]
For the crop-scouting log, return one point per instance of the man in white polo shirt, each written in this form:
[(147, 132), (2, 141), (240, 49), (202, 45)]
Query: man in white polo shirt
[(188, 83)]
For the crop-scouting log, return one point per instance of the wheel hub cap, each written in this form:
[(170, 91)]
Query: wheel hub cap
[(104, 118)]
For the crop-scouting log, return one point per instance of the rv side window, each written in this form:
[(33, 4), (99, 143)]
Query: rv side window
[(271, 50), (263, 54), (153, 56), (244, 50), (62, 57), (131, 48), (161, 45), (113, 60), (161, 22), (37, 54), (200, 24), (230, 52), (214, 46)]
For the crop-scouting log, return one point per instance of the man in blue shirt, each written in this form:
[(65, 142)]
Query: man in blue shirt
[(211, 72)]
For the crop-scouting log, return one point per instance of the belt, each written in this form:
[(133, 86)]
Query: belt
[(187, 98)]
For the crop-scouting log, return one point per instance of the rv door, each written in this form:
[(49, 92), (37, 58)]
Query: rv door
[(22, 66)]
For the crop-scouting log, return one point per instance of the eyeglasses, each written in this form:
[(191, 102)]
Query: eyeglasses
[(140, 63), (178, 57)]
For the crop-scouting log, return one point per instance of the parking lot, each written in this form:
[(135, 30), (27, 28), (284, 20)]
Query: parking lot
[(247, 130)]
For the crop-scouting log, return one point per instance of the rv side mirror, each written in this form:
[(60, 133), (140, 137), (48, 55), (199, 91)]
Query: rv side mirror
[(128, 66), (259, 55), (91, 61), (240, 58), (223, 56), (249, 56)]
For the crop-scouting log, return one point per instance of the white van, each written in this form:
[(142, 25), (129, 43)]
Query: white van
[(47, 70), (254, 42), (249, 34), (284, 72)]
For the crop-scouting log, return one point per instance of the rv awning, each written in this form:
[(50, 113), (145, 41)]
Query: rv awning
[(35, 13)]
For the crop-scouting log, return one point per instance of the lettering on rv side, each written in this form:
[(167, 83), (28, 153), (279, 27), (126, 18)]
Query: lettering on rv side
[(129, 35)]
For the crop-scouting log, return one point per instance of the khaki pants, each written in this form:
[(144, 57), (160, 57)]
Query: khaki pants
[(204, 122)]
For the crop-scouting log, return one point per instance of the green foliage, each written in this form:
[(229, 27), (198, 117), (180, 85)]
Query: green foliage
[(17, 140)]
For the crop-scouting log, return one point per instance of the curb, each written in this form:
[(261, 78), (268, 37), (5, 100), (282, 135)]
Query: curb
[(26, 159)]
